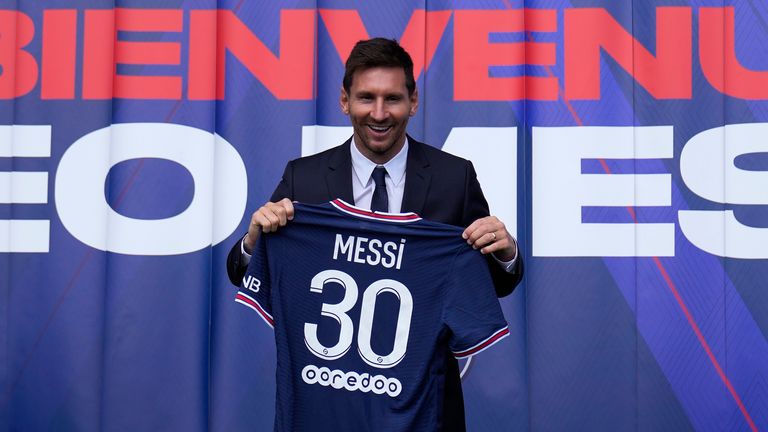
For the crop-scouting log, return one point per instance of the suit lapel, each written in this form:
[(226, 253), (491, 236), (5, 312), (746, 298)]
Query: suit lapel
[(339, 177), (417, 178)]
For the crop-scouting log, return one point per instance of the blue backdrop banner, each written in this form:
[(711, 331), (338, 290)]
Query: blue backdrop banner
[(622, 142)]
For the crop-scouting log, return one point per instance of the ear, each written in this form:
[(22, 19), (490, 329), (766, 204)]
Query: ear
[(344, 101), (414, 102)]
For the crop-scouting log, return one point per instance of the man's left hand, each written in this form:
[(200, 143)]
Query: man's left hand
[(491, 236)]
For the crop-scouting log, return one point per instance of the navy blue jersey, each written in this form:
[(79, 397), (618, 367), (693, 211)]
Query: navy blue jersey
[(366, 307)]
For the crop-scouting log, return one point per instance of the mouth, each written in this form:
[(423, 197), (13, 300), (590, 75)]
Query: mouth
[(379, 129)]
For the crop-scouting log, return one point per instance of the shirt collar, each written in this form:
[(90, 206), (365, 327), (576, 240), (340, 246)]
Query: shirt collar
[(363, 167)]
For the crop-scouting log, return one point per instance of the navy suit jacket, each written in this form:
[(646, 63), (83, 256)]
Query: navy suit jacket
[(438, 186)]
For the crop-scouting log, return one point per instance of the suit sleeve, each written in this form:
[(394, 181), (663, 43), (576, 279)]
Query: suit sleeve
[(235, 264), (284, 189), (476, 207)]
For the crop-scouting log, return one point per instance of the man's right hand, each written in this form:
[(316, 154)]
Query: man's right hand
[(269, 218)]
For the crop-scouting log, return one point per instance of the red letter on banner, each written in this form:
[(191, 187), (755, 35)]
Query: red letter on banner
[(666, 76), (201, 73), (346, 28), (19, 73), (717, 51), (474, 54), (148, 53), (421, 36), (59, 54), (101, 51), (290, 76), (98, 54)]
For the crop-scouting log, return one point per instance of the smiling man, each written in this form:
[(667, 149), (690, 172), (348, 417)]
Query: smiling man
[(383, 169)]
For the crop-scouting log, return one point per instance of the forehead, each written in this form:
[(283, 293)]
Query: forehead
[(379, 80)]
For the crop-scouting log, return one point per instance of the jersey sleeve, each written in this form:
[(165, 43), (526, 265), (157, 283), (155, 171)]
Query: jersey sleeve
[(255, 288), (472, 311)]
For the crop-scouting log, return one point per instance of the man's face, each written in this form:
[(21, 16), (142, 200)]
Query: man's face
[(379, 108)]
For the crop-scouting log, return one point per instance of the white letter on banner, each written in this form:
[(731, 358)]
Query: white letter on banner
[(493, 152), (215, 211), (708, 169), (560, 191), (24, 187), (316, 138)]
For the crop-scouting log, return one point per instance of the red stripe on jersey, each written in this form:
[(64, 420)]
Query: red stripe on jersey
[(376, 215), (256, 306), (484, 344)]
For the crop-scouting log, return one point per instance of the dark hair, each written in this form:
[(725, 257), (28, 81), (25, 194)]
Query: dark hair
[(379, 52)]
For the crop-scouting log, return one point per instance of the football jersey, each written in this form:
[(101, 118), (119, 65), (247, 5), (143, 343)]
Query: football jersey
[(365, 308)]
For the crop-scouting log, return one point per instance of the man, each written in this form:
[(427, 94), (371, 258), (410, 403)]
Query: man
[(379, 95)]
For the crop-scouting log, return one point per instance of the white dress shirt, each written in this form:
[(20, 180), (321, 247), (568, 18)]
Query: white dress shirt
[(363, 184)]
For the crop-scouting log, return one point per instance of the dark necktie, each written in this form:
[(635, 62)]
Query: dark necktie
[(379, 202)]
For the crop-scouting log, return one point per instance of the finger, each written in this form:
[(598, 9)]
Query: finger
[(505, 248), (255, 226), (288, 206), (254, 221), (278, 210), (471, 229), (268, 220), (482, 226), (482, 234), (496, 246), (504, 251), (484, 240)]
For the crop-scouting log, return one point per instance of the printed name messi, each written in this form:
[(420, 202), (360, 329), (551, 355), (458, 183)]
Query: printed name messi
[(373, 251)]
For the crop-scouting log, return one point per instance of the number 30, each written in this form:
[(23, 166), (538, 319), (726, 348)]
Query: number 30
[(338, 312)]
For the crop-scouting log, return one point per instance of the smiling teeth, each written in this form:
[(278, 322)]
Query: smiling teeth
[(379, 128)]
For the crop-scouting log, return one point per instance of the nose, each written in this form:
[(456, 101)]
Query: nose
[(378, 111)]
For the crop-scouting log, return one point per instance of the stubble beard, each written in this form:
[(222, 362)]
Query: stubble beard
[(381, 150)]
